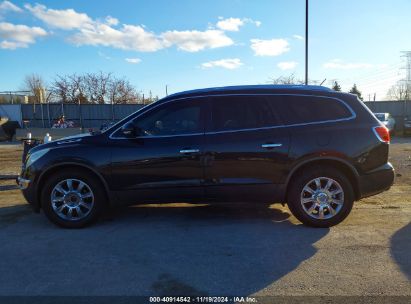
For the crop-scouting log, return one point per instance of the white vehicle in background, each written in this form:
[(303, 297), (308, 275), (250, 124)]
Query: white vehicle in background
[(387, 120)]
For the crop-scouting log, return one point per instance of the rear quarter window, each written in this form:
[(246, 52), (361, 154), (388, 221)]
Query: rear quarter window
[(309, 109)]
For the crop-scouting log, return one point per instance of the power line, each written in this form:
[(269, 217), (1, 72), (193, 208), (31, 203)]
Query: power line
[(373, 83), (378, 74)]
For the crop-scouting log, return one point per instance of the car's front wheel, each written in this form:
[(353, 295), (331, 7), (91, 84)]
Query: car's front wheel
[(321, 197), (72, 199)]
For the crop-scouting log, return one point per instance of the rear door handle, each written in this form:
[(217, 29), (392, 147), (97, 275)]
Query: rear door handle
[(188, 151), (270, 146)]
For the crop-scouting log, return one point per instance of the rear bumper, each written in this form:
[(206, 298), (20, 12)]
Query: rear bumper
[(376, 181)]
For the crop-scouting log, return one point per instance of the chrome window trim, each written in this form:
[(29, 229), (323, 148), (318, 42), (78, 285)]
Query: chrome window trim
[(162, 136), (353, 115), (68, 141)]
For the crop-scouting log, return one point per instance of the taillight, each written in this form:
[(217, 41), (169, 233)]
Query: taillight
[(382, 133)]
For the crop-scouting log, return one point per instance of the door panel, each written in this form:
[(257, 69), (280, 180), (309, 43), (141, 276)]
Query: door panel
[(246, 158), (238, 167), (153, 169), (164, 163)]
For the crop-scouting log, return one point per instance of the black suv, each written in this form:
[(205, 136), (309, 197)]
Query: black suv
[(310, 147)]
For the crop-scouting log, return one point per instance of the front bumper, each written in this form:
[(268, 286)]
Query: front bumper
[(22, 183), (28, 191), (376, 181)]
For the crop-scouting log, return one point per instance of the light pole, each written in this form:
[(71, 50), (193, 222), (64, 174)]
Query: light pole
[(306, 42)]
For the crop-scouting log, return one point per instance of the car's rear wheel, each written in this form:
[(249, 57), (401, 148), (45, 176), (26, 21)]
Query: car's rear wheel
[(320, 197), (72, 199)]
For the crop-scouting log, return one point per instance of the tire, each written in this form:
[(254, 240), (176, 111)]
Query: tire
[(86, 199), (335, 205)]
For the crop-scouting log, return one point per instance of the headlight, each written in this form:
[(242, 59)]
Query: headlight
[(33, 157)]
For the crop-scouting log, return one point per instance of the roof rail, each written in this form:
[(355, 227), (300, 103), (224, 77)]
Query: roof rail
[(256, 87)]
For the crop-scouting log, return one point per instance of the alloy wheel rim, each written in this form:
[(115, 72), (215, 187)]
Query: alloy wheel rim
[(72, 199), (322, 198)]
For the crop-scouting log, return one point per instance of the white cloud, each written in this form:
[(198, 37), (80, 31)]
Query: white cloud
[(137, 38), (230, 63), (230, 24), (111, 20), (273, 47), (133, 60), (194, 41), (298, 37), (12, 45), (129, 37), (103, 55), (8, 6), (18, 35), (234, 24), (255, 22), (64, 19), (287, 65), (339, 64)]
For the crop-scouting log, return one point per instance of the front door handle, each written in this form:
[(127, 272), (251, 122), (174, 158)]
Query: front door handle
[(189, 151), (270, 146)]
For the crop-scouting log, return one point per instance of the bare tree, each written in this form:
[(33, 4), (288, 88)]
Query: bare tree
[(96, 88), (290, 79), (37, 87), (78, 89), (96, 85), (399, 91), (121, 91), (70, 88), (61, 88)]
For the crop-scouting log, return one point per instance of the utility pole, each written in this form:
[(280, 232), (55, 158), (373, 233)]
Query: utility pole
[(166, 89), (407, 80), (306, 42)]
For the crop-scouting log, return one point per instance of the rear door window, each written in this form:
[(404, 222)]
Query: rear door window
[(297, 109), (237, 112)]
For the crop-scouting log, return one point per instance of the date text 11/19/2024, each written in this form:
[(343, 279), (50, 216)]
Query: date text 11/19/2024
[(202, 299)]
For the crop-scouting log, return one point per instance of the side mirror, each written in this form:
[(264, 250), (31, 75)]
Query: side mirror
[(129, 130)]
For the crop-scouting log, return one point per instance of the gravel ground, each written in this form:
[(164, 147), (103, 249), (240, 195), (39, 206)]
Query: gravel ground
[(209, 250)]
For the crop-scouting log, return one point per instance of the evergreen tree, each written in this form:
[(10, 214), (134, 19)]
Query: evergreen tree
[(336, 86), (354, 90)]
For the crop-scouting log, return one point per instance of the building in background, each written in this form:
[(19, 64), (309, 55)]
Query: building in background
[(13, 98)]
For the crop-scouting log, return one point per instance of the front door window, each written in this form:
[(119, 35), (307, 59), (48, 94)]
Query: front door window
[(172, 119)]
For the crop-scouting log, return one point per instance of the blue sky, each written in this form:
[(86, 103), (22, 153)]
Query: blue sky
[(189, 44)]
